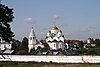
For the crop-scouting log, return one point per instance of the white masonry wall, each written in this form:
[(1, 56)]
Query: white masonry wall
[(57, 59)]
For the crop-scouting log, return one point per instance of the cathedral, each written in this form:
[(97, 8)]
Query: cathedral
[(54, 38)]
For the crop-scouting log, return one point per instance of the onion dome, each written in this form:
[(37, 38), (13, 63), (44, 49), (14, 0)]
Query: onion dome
[(55, 28)]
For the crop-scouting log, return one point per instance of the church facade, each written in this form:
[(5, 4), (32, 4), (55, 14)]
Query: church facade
[(54, 39), (32, 40)]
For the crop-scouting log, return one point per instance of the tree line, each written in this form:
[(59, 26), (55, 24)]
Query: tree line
[(90, 51), (21, 47)]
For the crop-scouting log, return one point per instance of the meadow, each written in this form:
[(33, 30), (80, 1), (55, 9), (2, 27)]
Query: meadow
[(44, 64)]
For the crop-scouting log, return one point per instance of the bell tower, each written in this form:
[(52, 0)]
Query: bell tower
[(32, 40)]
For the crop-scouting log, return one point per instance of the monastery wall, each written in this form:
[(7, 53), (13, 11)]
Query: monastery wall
[(57, 59)]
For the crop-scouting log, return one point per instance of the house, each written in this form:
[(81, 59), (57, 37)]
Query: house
[(5, 48)]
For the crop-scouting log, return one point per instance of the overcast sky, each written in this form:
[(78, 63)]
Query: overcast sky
[(78, 19)]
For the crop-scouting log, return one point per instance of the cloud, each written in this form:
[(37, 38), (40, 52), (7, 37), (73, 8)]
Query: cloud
[(28, 20), (56, 16)]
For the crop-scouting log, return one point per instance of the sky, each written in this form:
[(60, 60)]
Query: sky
[(78, 19)]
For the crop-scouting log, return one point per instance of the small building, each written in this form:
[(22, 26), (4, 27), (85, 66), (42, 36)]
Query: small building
[(33, 42), (5, 48), (89, 43)]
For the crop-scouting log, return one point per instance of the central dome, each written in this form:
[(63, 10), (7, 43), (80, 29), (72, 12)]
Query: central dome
[(55, 28)]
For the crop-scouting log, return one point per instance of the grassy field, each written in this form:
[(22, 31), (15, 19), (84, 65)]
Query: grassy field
[(42, 64)]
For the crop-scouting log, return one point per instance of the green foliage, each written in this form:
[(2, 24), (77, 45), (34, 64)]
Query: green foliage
[(82, 51), (25, 44), (6, 16), (20, 47), (91, 51), (97, 42), (81, 44), (21, 52), (23, 47), (97, 51), (92, 41), (16, 46)]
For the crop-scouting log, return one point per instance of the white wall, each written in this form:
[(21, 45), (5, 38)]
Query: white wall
[(58, 59)]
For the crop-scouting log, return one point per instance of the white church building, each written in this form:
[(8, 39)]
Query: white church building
[(5, 48), (54, 38), (32, 41)]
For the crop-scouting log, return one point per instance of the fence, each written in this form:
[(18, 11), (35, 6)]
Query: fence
[(57, 59)]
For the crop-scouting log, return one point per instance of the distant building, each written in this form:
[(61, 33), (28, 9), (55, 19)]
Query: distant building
[(55, 39), (32, 40), (74, 44), (5, 48), (53, 44), (89, 43), (33, 43)]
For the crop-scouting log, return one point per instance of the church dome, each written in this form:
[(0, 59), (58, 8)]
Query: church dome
[(55, 28), (60, 31)]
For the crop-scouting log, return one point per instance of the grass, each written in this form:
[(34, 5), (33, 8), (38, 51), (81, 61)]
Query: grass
[(43, 64)]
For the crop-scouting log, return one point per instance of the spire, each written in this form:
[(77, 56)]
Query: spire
[(32, 33)]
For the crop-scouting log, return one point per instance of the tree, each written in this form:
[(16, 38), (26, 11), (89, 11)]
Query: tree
[(21, 52), (23, 47), (25, 44), (81, 44), (6, 17), (91, 51), (82, 51), (97, 42), (16, 46), (97, 51)]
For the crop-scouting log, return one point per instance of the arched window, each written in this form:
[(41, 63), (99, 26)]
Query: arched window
[(33, 38), (54, 45), (30, 38), (60, 45)]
